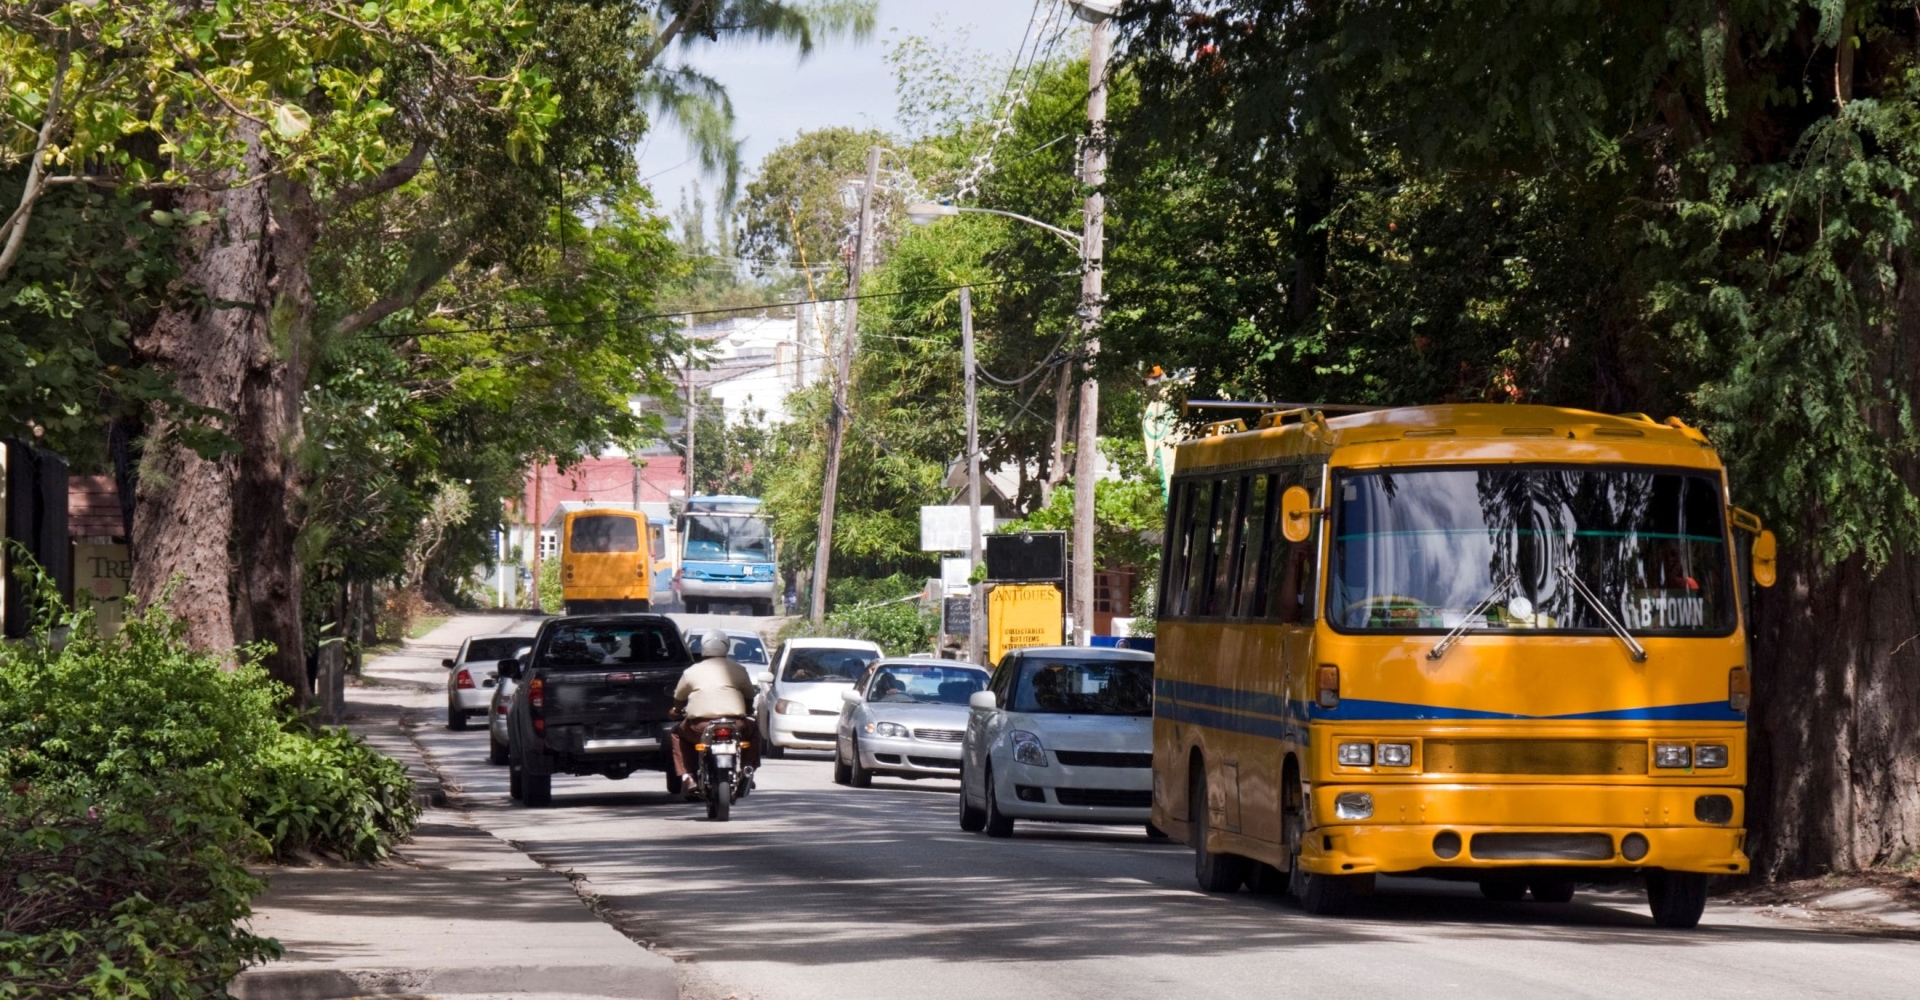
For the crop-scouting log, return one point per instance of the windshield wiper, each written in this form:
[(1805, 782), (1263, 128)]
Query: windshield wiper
[(1440, 648), (1638, 651)]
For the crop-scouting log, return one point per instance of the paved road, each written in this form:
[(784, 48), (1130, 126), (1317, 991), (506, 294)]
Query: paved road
[(818, 892)]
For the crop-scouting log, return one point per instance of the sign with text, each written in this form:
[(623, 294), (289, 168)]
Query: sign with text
[(956, 616), (1019, 616), (102, 578)]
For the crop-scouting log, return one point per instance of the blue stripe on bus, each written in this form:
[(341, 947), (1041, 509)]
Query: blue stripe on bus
[(1219, 702)]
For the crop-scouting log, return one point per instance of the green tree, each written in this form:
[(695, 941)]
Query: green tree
[(1681, 208)]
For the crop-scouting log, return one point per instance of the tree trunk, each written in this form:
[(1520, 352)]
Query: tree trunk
[(183, 513), (267, 484), (1835, 781)]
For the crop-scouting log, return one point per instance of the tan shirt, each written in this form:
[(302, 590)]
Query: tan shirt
[(715, 687)]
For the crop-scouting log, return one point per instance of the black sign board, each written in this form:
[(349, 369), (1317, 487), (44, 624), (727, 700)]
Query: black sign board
[(1028, 557), (956, 616)]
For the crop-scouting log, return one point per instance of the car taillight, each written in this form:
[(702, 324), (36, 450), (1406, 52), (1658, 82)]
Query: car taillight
[(463, 680), (500, 708)]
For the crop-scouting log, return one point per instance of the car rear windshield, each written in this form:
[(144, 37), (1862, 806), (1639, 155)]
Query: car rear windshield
[(1085, 687), (612, 644), (746, 650), (495, 650), (813, 666), (606, 533), (914, 684)]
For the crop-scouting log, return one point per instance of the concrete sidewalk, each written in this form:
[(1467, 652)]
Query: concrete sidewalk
[(459, 912)]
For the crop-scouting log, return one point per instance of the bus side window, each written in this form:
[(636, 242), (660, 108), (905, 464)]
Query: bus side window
[(1220, 548), (1292, 565), (1173, 561), (1198, 512), (1254, 528)]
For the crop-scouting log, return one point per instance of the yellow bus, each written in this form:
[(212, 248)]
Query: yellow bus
[(607, 559), (1501, 644)]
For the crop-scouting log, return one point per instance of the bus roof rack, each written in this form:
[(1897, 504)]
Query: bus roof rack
[(1234, 404)]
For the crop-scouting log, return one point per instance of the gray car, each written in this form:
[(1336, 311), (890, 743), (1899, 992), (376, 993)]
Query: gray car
[(907, 720)]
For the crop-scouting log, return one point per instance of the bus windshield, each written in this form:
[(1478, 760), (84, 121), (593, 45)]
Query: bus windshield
[(1510, 547), (717, 538)]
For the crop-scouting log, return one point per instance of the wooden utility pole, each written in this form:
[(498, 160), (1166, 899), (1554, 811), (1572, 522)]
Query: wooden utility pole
[(693, 419), (976, 628), (1086, 462), (538, 532), (837, 420)]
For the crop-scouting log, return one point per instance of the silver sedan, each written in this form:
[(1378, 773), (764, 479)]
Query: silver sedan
[(907, 720)]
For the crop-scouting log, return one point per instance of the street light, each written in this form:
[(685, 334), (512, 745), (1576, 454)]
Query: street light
[(1094, 11), (927, 213)]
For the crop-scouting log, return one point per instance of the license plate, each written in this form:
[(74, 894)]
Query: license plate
[(720, 748)]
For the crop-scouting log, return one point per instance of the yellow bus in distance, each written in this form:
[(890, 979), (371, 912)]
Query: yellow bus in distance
[(1494, 643), (606, 561)]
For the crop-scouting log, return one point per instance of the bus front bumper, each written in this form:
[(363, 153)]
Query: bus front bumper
[(727, 590), (1490, 827)]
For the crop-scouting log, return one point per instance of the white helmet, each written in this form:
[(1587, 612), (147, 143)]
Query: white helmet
[(714, 644)]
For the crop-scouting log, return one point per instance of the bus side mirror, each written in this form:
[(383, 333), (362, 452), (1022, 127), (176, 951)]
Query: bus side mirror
[(1766, 567), (1297, 513)]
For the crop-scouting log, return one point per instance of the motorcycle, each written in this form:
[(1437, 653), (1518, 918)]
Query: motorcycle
[(723, 777)]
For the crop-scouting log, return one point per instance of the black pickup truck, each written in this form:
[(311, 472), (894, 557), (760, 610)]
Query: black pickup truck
[(593, 698)]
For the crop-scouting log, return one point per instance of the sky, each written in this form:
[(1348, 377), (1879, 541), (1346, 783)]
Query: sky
[(776, 94)]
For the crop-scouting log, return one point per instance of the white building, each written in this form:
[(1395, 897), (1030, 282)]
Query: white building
[(754, 362)]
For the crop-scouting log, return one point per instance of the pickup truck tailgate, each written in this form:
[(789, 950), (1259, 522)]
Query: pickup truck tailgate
[(612, 701)]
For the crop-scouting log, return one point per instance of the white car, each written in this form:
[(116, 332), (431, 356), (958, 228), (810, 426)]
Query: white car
[(471, 674), (908, 720), (1062, 733), (802, 701)]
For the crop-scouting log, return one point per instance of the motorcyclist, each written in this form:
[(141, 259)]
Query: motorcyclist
[(715, 687)]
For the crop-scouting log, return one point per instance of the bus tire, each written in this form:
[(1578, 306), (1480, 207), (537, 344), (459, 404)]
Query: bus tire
[(1677, 899), (1214, 872), (763, 609), (640, 607), (1320, 895)]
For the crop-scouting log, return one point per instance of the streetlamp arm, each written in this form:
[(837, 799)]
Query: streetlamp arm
[(1073, 239)]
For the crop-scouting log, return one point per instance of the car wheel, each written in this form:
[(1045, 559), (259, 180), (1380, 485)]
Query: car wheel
[(1503, 890), (972, 818), (536, 789), (773, 750), (1215, 872), (496, 753), (998, 824), (857, 774), (1551, 892), (515, 789), (456, 717), (1677, 899), (842, 772)]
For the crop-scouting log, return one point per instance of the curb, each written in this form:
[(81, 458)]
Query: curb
[(620, 982)]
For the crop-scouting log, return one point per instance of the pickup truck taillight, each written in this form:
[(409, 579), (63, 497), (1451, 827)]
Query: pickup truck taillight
[(537, 700), (463, 680)]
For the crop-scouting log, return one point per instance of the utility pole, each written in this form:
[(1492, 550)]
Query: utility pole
[(693, 420), (533, 521), (976, 629), (837, 420), (1085, 458)]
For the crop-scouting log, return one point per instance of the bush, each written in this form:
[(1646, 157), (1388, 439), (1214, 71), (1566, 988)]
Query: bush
[(135, 894), (85, 717), (899, 627)]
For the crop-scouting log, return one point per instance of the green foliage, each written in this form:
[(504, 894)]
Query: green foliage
[(795, 211), (551, 592), (899, 627), (134, 893), (98, 716)]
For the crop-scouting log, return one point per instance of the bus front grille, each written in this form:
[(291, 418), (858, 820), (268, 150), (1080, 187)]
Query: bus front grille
[(1534, 756), (1542, 847)]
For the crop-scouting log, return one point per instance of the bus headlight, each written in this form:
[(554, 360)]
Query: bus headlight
[(1396, 755), (1355, 755), (1672, 755), (1710, 755), (1353, 805)]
